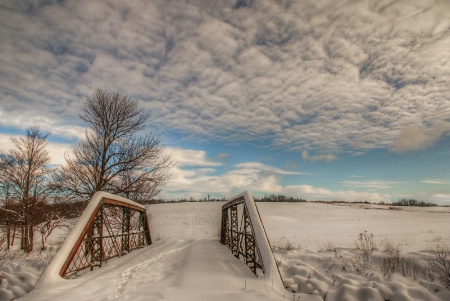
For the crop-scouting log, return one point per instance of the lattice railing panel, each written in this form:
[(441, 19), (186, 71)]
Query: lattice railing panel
[(113, 230), (238, 235)]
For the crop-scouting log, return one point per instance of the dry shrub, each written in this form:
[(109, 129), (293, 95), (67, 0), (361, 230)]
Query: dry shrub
[(5, 254), (366, 244), (328, 246), (439, 262)]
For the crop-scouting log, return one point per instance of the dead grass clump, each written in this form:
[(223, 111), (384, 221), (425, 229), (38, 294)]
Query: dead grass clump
[(390, 247), (5, 254), (366, 244), (327, 246), (439, 262), (284, 246)]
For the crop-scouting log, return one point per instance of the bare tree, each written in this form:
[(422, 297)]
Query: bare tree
[(53, 216), (113, 157), (9, 213), (23, 170)]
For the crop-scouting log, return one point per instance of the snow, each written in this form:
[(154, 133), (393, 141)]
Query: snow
[(186, 261), (16, 280)]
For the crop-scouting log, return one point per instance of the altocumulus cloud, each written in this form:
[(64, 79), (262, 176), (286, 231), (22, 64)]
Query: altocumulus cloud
[(327, 76)]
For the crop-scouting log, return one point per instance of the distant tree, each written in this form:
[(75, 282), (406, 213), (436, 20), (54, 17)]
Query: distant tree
[(413, 203), (9, 213), (23, 173), (113, 157), (52, 215)]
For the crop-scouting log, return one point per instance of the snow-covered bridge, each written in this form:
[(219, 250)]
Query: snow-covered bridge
[(171, 269)]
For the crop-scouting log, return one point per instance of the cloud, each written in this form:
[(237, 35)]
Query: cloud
[(312, 193), (56, 150), (262, 167), (254, 176), (317, 76), (417, 138), (434, 181), (327, 157), (371, 184), (189, 157)]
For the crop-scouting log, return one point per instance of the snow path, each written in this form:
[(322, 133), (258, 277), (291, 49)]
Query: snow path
[(174, 269), (202, 270), (129, 271)]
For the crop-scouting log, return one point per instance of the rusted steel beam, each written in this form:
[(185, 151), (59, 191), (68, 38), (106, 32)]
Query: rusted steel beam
[(238, 235), (79, 241), (233, 203), (122, 204), (126, 229)]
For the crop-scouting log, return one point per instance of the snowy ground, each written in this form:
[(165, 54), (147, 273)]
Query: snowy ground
[(315, 246)]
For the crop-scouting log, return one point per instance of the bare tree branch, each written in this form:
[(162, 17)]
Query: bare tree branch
[(114, 157), (23, 170)]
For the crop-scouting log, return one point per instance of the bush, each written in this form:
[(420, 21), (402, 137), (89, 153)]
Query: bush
[(439, 261), (366, 244), (327, 246), (395, 263)]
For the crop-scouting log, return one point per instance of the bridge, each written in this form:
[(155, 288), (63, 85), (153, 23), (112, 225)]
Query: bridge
[(109, 255)]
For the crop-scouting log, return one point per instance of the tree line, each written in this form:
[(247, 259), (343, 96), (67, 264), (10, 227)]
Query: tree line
[(117, 155), (278, 198), (414, 203)]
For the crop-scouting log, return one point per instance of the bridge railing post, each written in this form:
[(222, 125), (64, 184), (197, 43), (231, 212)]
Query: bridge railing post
[(245, 236)]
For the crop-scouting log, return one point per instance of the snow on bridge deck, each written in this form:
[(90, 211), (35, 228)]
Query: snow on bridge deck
[(194, 267), (174, 269)]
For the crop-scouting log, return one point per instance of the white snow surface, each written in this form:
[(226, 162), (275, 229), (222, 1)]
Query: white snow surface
[(316, 255)]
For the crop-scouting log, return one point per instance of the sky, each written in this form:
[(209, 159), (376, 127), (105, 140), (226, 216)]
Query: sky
[(323, 100)]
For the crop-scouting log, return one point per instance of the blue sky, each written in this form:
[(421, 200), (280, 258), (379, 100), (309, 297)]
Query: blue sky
[(325, 100)]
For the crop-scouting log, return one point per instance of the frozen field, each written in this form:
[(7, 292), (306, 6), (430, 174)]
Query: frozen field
[(315, 247)]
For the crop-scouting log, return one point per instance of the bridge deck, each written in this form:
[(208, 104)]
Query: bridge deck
[(176, 269)]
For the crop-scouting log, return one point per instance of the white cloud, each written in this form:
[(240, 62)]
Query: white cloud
[(263, 167), (434, 181), (323, 194), (416, 138), (189, 157), (371, 184), (255, 177), (56, 150), (322, 157)]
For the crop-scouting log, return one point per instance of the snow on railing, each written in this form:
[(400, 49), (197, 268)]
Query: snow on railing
[(110, 226), (242, 231)]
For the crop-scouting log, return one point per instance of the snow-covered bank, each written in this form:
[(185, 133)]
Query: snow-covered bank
[(317, 254)]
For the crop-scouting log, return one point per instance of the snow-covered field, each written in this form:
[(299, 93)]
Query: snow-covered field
[(315, 247)]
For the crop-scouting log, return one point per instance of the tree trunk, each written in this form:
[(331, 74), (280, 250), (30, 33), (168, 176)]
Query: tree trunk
[(31, 240), (24, 230), (8, 234), (43, 239), (14, 235)]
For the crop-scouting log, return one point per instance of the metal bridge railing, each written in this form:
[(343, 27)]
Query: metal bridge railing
[(239, 237), (242, 231), (110, 226), (114, 229)]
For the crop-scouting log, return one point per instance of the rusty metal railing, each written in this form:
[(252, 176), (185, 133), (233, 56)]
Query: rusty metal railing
[(238, 235), (243, 232), (115, 228)]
